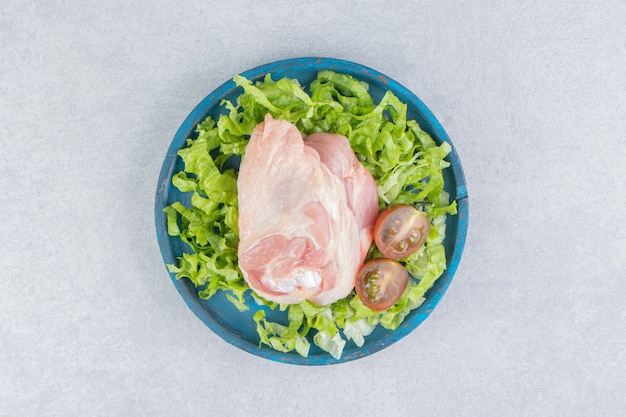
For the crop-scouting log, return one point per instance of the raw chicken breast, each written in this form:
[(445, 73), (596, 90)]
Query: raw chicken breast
[(337, 154), (299, 239)]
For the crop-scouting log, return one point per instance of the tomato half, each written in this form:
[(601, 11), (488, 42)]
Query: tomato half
[(381, 282), (400, 230)]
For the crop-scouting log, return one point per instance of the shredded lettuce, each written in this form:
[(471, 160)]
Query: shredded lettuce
[(405, 161)]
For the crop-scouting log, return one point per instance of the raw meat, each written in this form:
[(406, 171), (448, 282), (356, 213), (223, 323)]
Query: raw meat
[(299, 236)]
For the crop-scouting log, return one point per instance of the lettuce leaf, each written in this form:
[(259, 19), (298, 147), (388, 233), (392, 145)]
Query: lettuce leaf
[(405, 161)]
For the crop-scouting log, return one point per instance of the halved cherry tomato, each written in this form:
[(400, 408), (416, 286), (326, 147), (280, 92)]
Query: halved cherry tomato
[(381, 282), (400, 230)]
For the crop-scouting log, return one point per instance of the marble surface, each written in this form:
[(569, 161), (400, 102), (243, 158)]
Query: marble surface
[(533, 95)]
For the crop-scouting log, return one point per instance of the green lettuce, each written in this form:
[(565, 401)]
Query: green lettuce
[(405, 161)]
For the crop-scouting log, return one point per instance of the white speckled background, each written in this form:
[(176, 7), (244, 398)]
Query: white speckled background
[(533, 95)]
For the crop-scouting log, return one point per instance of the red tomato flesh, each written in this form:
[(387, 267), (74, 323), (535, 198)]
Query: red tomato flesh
[(400, 230), (381, 282)]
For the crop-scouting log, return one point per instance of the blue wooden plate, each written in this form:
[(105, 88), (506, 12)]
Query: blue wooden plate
[(239, 328)]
